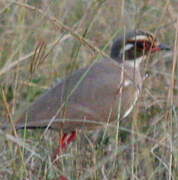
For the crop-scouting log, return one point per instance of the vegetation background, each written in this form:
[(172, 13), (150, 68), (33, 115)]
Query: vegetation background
[(42, 41)]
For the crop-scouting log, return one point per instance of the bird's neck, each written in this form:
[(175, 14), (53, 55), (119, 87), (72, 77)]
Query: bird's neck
[(134, 63), (133, 70)]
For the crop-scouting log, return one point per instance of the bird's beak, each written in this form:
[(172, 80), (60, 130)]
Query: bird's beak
[(164, 47), (161, 47)]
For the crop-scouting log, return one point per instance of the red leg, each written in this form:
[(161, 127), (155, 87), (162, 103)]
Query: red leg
[(72, 137), (65, 141), (62, 141), (62, 178)]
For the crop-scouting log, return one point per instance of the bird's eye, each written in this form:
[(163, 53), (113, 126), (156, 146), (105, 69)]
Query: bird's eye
[(144, 45), (140, 44), (147, 45)]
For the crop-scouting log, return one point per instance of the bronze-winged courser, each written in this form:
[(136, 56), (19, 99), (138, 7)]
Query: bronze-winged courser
[(101, 93)]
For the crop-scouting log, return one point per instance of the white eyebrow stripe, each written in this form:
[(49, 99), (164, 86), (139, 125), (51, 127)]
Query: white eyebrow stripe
[(139, 37), (128, 46)]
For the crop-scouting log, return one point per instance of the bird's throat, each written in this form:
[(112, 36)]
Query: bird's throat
[(135, 63)]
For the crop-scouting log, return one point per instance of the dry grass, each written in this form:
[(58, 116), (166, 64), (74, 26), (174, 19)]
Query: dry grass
[(41, 42)]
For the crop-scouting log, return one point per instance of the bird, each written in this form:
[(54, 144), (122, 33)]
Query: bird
[(101, 93)]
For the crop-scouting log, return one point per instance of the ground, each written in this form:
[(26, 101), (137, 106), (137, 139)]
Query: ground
[(43, 41)]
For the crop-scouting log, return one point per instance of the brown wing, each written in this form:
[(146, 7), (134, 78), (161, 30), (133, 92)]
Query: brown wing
[(87, 98)]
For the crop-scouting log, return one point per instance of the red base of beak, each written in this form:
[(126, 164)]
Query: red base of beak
[(155, 49)]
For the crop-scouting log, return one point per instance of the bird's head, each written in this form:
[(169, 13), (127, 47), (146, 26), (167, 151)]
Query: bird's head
[(135, 47)]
